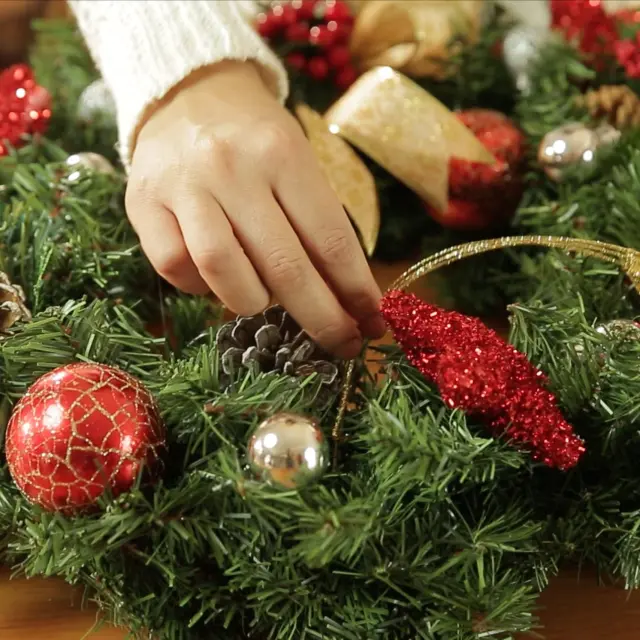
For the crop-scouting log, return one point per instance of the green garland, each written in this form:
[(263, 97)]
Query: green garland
[(428, 528)]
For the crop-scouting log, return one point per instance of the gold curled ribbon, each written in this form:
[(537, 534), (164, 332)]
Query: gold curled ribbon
[(416, 37), (626, 258), (407, 131), (347, 175), (402, 128)]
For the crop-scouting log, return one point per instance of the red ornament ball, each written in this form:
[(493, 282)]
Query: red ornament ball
[(79, 431), (485, 195)]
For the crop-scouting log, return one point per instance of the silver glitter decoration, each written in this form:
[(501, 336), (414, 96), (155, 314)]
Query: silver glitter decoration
[(521, 48), (96, 101)]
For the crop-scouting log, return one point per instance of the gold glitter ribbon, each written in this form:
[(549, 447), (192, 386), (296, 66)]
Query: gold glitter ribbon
[(406, 131), (347, 175), (628, 260), (402, 128)]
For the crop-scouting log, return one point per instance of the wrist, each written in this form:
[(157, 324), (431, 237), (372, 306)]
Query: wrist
[(215, 79)]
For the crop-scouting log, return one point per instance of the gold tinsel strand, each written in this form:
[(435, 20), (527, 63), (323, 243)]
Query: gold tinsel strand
[(617, 104), (627, 259)]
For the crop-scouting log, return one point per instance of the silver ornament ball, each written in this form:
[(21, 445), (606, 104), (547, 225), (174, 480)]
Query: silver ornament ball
[(79, 163), (96, 101), (571, 145), (289, 451)]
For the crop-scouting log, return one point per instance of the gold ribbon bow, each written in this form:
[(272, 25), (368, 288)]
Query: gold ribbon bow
[(402, 128), (414, 36)]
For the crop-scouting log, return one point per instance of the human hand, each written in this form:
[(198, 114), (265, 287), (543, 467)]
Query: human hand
[(226, 195)]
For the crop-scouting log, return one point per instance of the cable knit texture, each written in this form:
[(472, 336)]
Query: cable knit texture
[(145, 47)]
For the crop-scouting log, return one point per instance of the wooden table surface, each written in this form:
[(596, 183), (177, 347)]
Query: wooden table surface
[(571, 609)]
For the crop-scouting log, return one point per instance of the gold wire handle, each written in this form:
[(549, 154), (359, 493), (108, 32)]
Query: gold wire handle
[(627, 259)]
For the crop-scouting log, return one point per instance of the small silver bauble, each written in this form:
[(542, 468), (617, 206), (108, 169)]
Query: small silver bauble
[(521, 48), (623, 330), (87, 161), (289, 451), (571, 145), (96, 101)]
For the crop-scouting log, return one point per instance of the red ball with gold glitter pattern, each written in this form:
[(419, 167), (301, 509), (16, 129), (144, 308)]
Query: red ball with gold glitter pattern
[(25, 106), (81, 431), (485, 195)]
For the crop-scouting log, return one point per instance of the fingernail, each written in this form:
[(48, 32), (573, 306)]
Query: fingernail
[(373, 326), (350, 349)]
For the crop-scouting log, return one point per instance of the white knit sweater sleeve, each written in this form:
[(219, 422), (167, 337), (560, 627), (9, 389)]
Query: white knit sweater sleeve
[(143, 48)]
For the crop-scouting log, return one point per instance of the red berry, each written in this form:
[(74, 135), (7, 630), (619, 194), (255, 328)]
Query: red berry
[(296, 60), (304, 8), (298, 32), (268, 25), (318, 68), (341, 31), (338, 11), (339, 56), (288, 14), (321, 36), (346, 77)]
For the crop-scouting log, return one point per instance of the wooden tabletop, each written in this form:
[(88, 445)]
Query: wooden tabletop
[(571, 609)]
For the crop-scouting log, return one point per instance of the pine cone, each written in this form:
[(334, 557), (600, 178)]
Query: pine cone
[(617, 104), (12, 303), (273, 341)]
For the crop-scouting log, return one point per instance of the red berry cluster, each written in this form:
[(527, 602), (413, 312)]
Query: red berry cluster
[(587, 23), (315, 35), (25, 107)]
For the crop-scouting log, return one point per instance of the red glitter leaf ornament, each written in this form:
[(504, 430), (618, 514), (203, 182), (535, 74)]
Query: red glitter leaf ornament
[(25, 107), (79, 431), (477, 371)]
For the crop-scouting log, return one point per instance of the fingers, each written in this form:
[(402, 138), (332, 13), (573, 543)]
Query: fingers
[(326, 232), (164, 245), (286, 269), (217, 254)]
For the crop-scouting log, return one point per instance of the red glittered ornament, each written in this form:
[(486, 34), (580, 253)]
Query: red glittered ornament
[(477, 371), (485, 195), (80, 431), (25, 107)]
